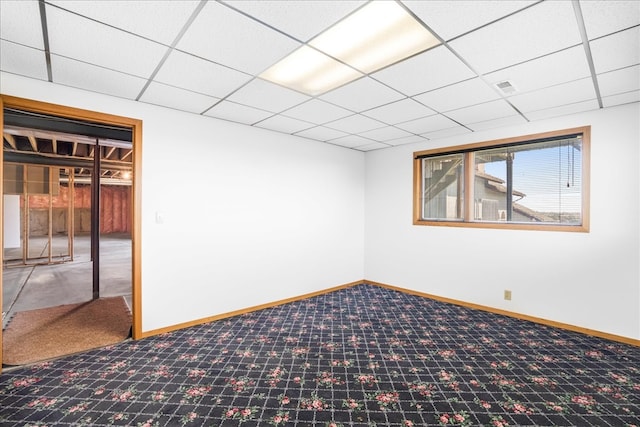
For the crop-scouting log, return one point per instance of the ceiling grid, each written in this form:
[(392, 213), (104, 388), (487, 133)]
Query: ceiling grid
[(207, 57)]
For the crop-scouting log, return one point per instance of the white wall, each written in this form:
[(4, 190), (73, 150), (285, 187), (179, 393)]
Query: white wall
[(286, 216), (11, 215), (250, 216), (589, 280)]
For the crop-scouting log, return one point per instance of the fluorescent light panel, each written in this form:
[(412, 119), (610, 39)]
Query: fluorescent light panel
[(309, 71), (378, 34)]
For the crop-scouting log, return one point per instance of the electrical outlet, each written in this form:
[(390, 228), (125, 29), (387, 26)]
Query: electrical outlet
[(507, 295)]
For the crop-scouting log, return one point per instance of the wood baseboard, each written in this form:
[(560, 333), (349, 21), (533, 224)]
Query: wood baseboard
[(245, 310), (539, 320)]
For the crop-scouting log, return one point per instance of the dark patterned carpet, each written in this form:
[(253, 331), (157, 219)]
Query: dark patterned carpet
[(362, 356)]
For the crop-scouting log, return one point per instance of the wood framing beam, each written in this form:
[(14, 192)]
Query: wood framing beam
[(11, 140), (110, 152), (34, 143)]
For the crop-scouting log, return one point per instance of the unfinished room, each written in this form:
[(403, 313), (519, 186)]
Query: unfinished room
[(320, 213)]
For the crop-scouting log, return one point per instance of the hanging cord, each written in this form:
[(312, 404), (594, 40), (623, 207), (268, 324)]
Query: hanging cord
[(573, 167), (568, 165)]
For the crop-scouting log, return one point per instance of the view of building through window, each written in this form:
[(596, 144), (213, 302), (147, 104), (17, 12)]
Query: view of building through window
[(545, 181)]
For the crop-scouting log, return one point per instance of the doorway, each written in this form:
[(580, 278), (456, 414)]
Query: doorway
[(70, 207)]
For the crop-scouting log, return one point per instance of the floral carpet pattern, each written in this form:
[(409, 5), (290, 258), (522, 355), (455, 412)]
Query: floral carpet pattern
[(360, 356)]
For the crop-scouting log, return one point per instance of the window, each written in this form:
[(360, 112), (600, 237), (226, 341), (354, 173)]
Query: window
[(528, 182)]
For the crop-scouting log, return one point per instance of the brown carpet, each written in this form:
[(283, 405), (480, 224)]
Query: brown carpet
[(36, 335)]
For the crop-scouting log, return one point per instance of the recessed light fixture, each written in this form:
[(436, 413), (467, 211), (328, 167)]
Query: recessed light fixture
[(376, 35)]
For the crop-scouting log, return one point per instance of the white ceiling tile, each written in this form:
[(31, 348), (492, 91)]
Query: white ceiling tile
[(179, 99), (452, 18), (385, 134), (554, 96), (284, 124), (616, 51), (300, 19), (237, 113), (602, 17), (96, 79), (362, 94), (406, 140), (541, 29), (20, 23), (463, 94), (355, 124), (445, 133), (108, 47), (157, 20), (560, 67), (428, 124), (399, 111), (496, 123), (317, 111), (351, 141), (321, 133), (481, 112), (372, 146), (95, 43), (267, 96), (563, 110), (430, 70), (199, 75), (623, 98), (227, 37), (619, 81), (23, 60)]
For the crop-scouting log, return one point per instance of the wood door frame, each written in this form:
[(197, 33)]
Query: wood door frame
[(136, 218)]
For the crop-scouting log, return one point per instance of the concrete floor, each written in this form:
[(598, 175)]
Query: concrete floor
[(39, 286)]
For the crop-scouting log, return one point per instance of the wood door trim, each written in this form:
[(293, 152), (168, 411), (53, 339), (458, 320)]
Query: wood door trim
[(93, 116)]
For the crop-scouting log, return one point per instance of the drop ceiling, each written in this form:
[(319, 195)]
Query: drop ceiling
[(204, 57)]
